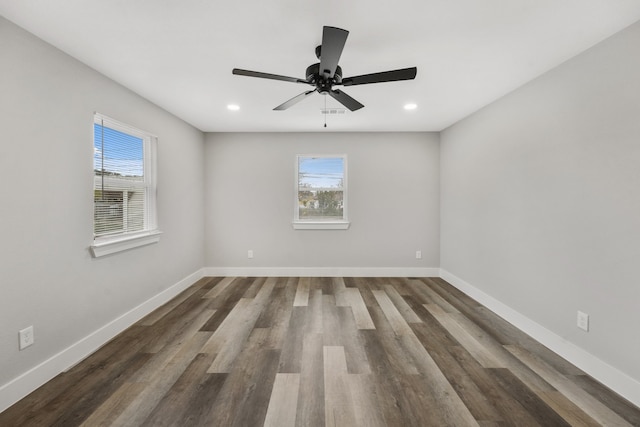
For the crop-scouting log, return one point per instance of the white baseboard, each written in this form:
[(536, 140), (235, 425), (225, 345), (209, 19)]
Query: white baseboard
[(618, 381), (19, 387), (322, 271)]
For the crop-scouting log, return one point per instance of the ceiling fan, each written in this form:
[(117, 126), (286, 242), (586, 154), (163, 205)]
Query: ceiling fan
[(327, 73)]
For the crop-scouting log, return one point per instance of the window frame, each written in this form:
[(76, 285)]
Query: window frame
[(107, 244), (315, 224)]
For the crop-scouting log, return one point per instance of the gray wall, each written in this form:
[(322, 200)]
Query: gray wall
[(47, 277), (393, 200), (541, 201)]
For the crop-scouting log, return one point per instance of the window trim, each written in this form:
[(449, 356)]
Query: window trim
[(310, 224), (321, 225), (113, 243)]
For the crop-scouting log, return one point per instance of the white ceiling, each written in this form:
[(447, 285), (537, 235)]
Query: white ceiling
[(179, 53)]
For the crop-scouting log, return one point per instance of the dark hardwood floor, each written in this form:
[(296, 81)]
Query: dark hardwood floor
[(322, 352)]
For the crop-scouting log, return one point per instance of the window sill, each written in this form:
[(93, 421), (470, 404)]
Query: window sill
[(114, 245), (321, 225)]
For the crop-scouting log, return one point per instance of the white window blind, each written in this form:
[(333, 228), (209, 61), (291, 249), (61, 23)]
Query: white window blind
[(124, 179)]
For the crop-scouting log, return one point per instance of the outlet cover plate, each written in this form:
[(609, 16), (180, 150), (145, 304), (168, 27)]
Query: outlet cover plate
[(26, 337), (583, 321)]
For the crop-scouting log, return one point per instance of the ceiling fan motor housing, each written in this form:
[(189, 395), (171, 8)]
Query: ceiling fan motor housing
[(323, 84)]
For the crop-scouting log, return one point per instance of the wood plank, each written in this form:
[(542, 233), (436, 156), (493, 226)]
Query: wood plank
[(351, 297), (236, 321), (256, 284), (229, 338), (496, 327), (224, 303), (160, 383), (352, 340), (338, 405), (244, 397), (313, 321), (508, 411), (89, 394), (291, 354), (437, 298), (324, 284), (384, 350), (397, 322), (623, 407), (161, 358), (159, 313), (278, 301), (230, 345), (310, 410), (367, 410), (401, 285), (505, 358), (444, 352), (365, 287), (434, 336), (539, 411), (302, 293), (258, 388), (277, 317), (453, 409), (360, 313), (488, 353), (403, 308), (331, 326), (271, 308), (384, 373), (567, 409), (421, 407), (220, 287), (477, 350), (172, 325), (451, 294), (589, 404), (339, 291), (283, 402), (424, 293), (105, 414), (187, 399)]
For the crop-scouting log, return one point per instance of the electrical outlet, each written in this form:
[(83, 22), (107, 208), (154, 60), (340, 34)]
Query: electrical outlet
[(26, 337), (583, 321), (250, 254), (418, 254)]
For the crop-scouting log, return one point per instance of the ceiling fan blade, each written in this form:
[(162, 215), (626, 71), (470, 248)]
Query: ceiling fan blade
[(333, 40), (385, 76), (345, 100), (293, 100), (239, 72)]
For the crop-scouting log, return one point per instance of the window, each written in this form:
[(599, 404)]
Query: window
[(124, 187), (321, 192)]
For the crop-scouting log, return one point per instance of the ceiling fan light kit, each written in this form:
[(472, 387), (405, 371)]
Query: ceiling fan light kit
[(326, 74)]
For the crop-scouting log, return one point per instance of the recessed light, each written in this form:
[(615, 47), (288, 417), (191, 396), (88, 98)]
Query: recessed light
[(233, 107), (410, 106)]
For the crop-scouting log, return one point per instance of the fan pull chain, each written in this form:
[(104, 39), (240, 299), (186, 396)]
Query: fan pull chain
[(325, 110)]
